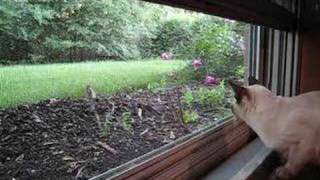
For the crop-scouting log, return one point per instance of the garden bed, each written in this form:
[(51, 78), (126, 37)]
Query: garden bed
[(69, 139)]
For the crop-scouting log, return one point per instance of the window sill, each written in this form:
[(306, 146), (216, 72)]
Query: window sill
[(255, 162), (189, 157), (243, 163)]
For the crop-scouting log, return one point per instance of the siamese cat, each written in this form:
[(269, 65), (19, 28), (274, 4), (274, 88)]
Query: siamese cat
[(290, 126)]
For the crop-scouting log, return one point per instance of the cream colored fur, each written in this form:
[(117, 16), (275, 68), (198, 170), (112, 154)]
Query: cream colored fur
[(290, 126)]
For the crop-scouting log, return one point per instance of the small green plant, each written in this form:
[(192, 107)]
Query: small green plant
[(127, 121), (211, 97), (163, 81), (190, 116), (188, 98), (106, 128), (202, 94), (153, 85)]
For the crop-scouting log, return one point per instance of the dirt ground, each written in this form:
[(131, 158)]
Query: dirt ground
[(78, 139)]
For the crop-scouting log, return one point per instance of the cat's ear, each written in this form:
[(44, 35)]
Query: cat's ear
[(252, 80), (240, 92)]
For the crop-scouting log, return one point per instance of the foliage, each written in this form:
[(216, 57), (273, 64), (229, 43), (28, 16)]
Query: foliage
[(64, 29), (127, 121), (188, 98), (106, 127), (190, 116), (219, 44), (172, 36), (154, 85), (211, 96), (205, 96), (76, 30), (184, 75), (240, 70)]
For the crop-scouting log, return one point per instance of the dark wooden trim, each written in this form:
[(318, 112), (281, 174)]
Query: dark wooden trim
[(255, 48), (299, 66), (280, 63), (300, 11), (271, 60), (263, 55), (284, 69), (188, 157), (292, 63), (262, 12)]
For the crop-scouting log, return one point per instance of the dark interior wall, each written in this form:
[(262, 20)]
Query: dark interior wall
[(310, 46), (310, 61)]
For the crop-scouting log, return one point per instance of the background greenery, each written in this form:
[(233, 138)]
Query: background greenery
[(31, 83), (60, 31), (46, 31)]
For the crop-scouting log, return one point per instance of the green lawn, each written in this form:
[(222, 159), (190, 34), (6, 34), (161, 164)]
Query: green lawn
[(31, 83)]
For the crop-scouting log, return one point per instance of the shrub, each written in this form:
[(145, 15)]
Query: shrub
[(218, 43), (212, 80), (54, 31), (167, 56), (172, 36), (211, 96), (187, 98), (190, 116)]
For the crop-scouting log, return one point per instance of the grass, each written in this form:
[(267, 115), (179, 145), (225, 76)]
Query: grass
[(32, 83)]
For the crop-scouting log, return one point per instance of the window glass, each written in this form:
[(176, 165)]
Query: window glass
[(86, 86)]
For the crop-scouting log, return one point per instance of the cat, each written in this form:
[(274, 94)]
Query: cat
[(288, 125)]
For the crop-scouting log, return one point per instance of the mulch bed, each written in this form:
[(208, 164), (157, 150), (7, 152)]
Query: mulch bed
[(61, 138)]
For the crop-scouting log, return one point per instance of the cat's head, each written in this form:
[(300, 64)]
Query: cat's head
[(250, 100)]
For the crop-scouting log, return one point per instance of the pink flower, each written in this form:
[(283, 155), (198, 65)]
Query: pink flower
[(167, 56), (197, 63), (212, 81)]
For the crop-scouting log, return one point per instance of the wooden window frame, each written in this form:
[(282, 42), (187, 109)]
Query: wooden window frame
[(188, 157)]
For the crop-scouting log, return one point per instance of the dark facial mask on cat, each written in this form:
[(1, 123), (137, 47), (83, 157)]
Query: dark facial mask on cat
[(240, 92)]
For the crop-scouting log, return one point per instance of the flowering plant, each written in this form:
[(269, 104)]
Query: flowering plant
[(167, 55), (212, 80), (197, 63)]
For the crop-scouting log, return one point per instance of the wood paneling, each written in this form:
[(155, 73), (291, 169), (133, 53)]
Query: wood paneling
[(262, 12), (310, 61)]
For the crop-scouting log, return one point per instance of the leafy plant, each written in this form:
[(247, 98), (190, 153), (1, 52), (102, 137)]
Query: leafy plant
[(172, 36), (153, 85), (127, 121), (106, 127), (219, 44), (188, 98), (190, 116), (240, 71), (211, 96)]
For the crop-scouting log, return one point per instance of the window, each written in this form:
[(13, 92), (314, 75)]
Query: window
[(126, 86)]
